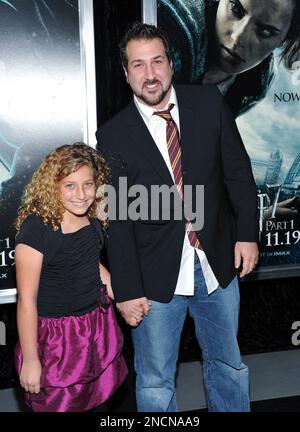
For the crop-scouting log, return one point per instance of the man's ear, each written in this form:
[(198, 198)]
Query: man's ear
[(126, 73), (171, 64)]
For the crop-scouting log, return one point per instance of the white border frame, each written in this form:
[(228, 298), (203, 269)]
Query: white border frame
[(149, 12), (87, 52), (8, 296)]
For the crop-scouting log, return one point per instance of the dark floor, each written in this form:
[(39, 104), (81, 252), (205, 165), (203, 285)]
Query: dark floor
[(288, 404)]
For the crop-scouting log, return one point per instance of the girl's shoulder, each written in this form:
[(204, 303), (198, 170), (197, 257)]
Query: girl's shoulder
[(33, 221), (35, 233), (32, 233), (32, 225)]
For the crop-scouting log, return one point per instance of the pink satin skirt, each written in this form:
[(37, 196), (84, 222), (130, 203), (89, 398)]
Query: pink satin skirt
[(82, 363)]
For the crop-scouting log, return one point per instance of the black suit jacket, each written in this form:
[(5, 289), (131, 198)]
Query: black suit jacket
[(144, 255)]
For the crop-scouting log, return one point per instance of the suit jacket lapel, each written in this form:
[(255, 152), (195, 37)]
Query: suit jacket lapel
[(144, 143)]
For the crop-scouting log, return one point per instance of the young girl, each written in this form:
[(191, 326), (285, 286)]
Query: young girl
[(69, 353)]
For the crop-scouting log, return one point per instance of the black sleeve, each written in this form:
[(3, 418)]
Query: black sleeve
[(238, 177), (32, 233)]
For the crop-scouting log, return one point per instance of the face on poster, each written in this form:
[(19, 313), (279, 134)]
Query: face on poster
[(41, 105), (248, 48)]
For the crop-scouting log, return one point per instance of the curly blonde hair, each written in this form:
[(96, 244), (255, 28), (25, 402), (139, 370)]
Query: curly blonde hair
[(42, 196)]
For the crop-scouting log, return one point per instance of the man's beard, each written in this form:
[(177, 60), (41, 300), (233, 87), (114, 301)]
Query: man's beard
[(159, 98)]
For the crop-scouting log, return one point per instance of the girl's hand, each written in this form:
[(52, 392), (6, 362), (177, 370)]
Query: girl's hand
[(30, 376), (136, 316)]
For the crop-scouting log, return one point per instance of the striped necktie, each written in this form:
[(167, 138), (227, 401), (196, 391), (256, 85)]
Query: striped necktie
[(174, 150)]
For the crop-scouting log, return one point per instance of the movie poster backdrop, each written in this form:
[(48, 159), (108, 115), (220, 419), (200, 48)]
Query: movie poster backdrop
[(266, 103), (42, 103)]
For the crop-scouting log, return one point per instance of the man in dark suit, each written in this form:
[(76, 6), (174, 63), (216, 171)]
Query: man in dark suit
[(162, 266)]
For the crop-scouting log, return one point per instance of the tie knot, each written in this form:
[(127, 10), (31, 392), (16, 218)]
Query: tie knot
[(166, 114)]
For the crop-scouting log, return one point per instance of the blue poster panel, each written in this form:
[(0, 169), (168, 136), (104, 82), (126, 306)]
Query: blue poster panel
[(250, 50), (41, 105)]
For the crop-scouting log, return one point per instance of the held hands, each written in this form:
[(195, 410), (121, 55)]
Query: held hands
[(245, 254), (134, 310), (30, 376)]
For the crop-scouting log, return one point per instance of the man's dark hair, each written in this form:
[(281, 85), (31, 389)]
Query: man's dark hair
[(142, 31)]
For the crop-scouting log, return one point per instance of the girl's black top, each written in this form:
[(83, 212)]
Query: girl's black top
[(70, 277)]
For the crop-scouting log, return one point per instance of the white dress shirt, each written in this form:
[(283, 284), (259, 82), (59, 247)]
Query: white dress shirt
[(157, 128)]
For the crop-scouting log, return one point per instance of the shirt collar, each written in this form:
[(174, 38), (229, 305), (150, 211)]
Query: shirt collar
[(147, 111)]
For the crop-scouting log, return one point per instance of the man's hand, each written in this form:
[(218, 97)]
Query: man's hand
[(245, 253), (134, 310)]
